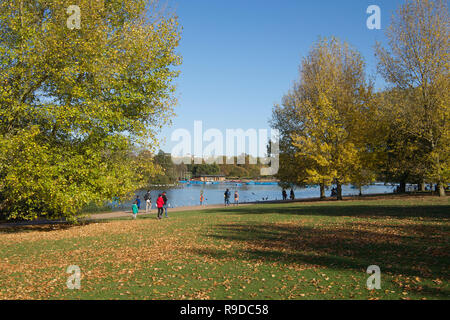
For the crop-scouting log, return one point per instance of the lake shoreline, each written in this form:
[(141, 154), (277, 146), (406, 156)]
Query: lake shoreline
[(127, 213)]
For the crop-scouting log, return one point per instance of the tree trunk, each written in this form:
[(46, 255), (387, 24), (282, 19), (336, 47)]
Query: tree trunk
[(322, 191), (440, 185), (360, 191), (402, 187), (441, 190), (422, 186), (339, 190)]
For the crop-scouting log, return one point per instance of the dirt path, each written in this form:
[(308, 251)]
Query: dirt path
[(113, 215), (122, 214)]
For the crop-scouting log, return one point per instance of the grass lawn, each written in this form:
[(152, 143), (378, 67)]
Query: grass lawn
[(289, 251)]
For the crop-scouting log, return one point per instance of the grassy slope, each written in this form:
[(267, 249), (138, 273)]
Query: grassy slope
[(292, 251)]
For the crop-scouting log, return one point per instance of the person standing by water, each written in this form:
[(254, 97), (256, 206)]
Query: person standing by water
[(202, 198), (138, 202), (160, 205), (148, 202), (333, 192), (292, 194), (236, 198), (284, 193), (135, 210), (226, 196), (164, 196)]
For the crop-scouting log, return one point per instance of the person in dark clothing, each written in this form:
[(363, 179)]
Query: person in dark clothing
[(333, 192), (227, 197), (284, 193), (292, 194), (164, 196), (138, 202)]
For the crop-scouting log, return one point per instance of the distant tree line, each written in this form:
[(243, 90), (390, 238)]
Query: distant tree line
[(170, 173)]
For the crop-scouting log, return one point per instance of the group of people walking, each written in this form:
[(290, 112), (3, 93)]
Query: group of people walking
[(161, 203)]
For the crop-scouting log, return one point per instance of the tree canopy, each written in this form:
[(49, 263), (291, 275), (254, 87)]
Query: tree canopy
[(77, 104)]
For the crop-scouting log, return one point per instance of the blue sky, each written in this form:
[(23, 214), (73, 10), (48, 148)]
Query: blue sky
[(241, 56)]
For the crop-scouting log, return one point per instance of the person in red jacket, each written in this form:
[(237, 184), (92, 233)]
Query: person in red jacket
[(160, 205)]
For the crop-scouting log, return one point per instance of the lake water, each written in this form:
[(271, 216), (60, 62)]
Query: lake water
[(189, 194)]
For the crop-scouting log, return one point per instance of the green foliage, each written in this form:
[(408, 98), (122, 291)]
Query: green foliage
[(77, 105), (204, 169), (168, 173)]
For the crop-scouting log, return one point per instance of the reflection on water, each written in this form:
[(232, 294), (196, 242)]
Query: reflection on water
[(189, 195)]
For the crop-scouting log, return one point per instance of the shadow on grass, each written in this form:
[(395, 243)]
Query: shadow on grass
[(412, 251), (346, 209), (45, 226)]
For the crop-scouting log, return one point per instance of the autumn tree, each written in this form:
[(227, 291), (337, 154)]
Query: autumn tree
[(78, 104), (292, 168), (416, 64), (402, 157), (327, 101)]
